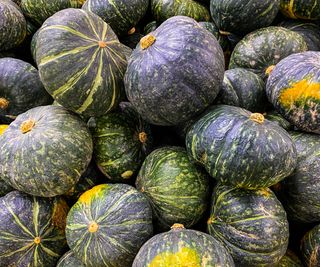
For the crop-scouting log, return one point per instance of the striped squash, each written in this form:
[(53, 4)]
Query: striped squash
[(301, 9), (310, 247), (81, 62), (69, 260)]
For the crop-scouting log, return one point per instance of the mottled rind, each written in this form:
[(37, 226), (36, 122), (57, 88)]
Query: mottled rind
[(301, 9), (183, 247), (176, 188), (50, 158), (289, 260), (251, 224), (124, 220), (69, 260), (310, 247), (277, 118), (23, 219)]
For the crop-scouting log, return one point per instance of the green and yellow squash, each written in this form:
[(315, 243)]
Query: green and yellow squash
[(289, 260), (277, 118), (108, 225), (310, 248), (150, 27), (69, 260), (300, 9)]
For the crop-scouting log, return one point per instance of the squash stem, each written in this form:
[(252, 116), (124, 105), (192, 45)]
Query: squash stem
[(4, 103)]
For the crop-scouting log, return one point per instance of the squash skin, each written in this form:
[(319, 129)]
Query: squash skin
[(57, 135), (252, 224), (124, 219), (294, 90), (24, 218), (300, 9), (91, 82), (201, 250), (155, 91), (237, 150), (310, 246), (289, 260), (69, 260), (277, 118)]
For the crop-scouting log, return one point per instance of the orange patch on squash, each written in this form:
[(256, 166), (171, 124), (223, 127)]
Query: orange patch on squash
[(3, 128)]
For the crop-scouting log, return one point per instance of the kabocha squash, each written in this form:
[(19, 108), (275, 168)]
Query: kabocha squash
[(121, 15), (13, 26), (252, 224), (150, 27), (163, 10), (121, 142), (241, 148), (20, 87), (294, 89), (108, 225), (81, 62), (31, 230), (183, 247), (310, 247), (300, 9), (5, 188), (289, 260), (69, 260), (243, 88), (176, 188), (241, 17), (164, 92), (277, 118), (52, 148), (270, 44)]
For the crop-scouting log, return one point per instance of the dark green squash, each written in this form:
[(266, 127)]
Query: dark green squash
[(108, 225), (289, 260), (33, 44), (243, 88), (13, 26), (241, 148), (183, 247), (270, 44), (300, 9), (121, 142), (310, 247), (252, 224), (277, 118), (161, 90), (150, 27), (69, 260), (31, 230), (52, 148), (294, 90), (81, 62), (176, 188), (5, 188)]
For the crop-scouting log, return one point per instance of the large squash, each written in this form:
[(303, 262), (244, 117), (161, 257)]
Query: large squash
[(69, 260), (310, 247), (300, 9)]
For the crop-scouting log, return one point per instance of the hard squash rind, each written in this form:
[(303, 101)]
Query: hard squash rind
[(310, 247), (69, 260), (300, 9)]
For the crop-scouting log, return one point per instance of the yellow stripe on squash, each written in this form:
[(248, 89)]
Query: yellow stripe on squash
[(87, 196)]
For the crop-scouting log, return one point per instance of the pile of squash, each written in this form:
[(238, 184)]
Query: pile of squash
[(161, 133)]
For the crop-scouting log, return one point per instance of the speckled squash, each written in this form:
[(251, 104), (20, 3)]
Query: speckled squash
[(121, 142), (69, 260), (121, 15), (61, 149), (289, 260), (243, 88), (81, 62), (277, 118), (20, 87), (294, 90), (31, 230), (252, 224), (241, 148), (13, 26), (5, 188), (176, 188), (163, 92), (183, 247), (241, 17), (108, 225), (310, 247), (300, 9), (270, 44)]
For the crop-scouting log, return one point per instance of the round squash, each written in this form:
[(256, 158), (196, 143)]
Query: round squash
[(270, 44), (252, 224), (108, 225), (177, 189), (13, 26), (81, 62), (121, 142), (310, 247), (277, 118), (52, 148), (289, 260), (162, 91), (69, 260), (31, 230), (121, 15), (294, 90), (183, 247), (300, 9), (150, 27), (241, 148)]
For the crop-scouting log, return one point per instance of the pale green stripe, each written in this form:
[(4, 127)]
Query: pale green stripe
[(35, 214), (49, 251), (16, 251)]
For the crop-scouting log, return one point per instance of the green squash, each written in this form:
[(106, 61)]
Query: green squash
[(241, 17), (183, 247), (121, 142), (270, 44), (13, 26), (252, 224), (69, 260), (176, 188), (165, 9), (294, 90), (243, 88), (289, 260), (81, 62), (61, 149), (31, 230), (33, 44), (150, 27), (5, 188), (161, 90), (277, 118), (241, 148), (300, 9), (121, 15), (108, 225), (20, 87), (310, 247)]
